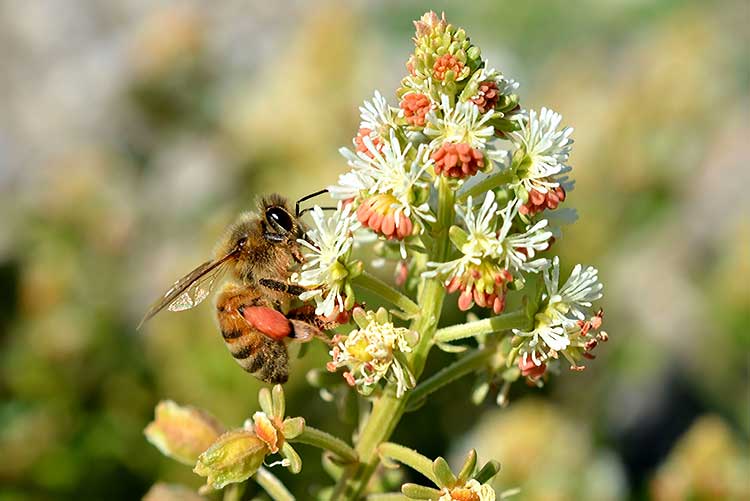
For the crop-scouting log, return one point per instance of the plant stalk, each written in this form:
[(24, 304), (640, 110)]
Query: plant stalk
[(388, 409), (513, 320), (318, 438)]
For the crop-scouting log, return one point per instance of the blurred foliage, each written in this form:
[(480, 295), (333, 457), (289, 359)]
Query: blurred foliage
[(130, 133)]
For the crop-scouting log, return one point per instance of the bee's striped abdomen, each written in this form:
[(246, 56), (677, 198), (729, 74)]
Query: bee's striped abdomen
[(256, 353)]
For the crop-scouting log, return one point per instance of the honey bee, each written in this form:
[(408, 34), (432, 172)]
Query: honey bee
[(259, 252)]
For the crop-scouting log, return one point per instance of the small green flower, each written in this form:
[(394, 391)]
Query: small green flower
[(182, 432), (468, 485)]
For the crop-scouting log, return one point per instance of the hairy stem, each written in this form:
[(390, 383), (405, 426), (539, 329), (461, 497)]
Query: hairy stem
[(272, 485), (388, 409), (318, 438), (514, 320), (385, 291)]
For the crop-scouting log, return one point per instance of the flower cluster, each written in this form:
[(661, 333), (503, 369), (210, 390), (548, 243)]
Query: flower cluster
[(373, 352)]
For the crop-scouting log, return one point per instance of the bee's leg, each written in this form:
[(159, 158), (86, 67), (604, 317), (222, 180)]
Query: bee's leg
[(308, 325), (275, 285), (307, 314), (304, 332)]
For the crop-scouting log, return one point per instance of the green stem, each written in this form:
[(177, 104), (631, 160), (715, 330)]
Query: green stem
[(272, 485), (385, 291), (388, 409), (461, 367), (490, 182), (409, 457), (514, 320), (318, 438)]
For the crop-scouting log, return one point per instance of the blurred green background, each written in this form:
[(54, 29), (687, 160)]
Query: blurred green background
[(131, 132)]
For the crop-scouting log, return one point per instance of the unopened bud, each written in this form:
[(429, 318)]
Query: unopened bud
[(234, 457), (182, 433)]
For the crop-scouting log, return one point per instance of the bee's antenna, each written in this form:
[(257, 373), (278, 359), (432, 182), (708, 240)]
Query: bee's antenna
[(311, 208), (306, 197)]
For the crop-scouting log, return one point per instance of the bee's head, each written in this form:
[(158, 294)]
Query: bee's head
[(278, 224)]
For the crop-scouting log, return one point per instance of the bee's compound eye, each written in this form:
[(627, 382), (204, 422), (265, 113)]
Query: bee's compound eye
[(241, 241), (280, 218)]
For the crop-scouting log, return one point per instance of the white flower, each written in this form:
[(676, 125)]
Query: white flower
[(486, 241), (547, 148), (515, 250), (462, 123), (377, 116), (563, 312), (373, 352), (386, 170), (576, 295), (327, 258), (480, 492)]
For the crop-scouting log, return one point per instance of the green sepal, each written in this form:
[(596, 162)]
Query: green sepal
[(443, 472), (295, 462), (489, 470), (265, 401), (467, 470), (278, 405), (293, 427)]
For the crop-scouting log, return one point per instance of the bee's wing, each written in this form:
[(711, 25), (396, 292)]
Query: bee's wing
[(190, 290)]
